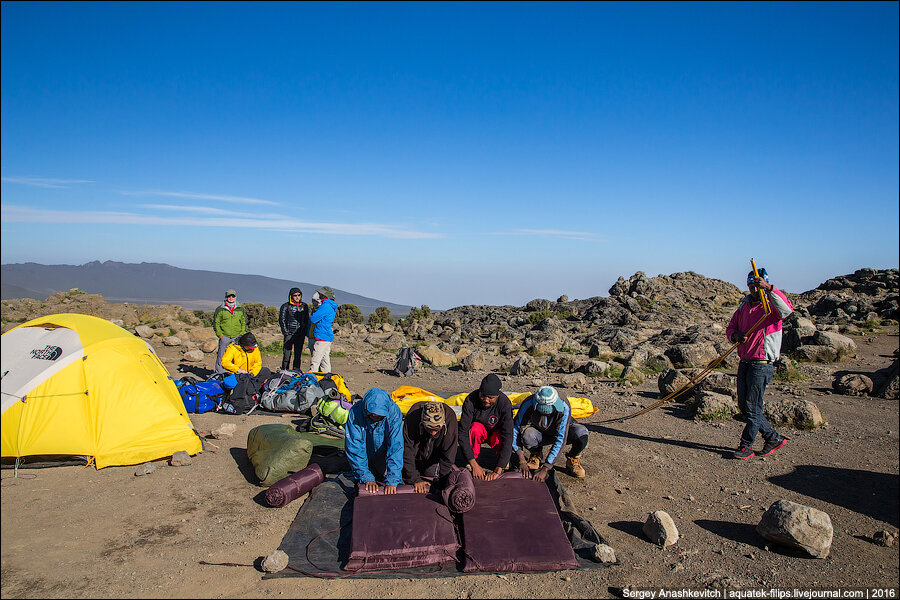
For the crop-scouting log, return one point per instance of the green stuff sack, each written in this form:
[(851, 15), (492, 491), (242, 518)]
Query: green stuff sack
[(276, 451)]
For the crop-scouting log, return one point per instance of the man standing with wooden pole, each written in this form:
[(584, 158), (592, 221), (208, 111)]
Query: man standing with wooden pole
[(758, 332)]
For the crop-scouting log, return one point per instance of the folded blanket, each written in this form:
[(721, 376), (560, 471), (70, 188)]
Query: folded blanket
[(459, 493), (293, 486)]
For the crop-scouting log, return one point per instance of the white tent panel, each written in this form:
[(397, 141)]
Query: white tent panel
[(31, 355)]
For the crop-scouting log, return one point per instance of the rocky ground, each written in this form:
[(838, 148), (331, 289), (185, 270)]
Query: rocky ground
[(74, 532)]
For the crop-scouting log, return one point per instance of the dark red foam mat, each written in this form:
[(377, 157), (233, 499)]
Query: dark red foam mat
[(514, 526)]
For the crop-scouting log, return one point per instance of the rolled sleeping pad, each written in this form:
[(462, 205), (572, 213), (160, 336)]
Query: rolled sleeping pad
[(459, 493), (294, 485)]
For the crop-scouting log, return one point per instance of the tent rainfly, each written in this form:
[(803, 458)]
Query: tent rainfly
[(79, 385)]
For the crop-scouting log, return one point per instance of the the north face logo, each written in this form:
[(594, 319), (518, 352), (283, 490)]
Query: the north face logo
[(47, 353)]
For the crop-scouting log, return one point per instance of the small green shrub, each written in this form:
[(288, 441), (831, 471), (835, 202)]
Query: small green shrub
[(382, 314), (871, 326), (422, 312), (259, 315), (613, 371), (654, 366), (721, 414), (273, 349), (205, 316), (787, 371), (539, 315), (348, 314)]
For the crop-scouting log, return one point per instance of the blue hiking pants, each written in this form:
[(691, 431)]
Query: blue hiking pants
[(752, 379)]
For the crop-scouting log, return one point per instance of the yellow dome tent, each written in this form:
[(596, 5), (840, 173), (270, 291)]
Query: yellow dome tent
[(79, 385)]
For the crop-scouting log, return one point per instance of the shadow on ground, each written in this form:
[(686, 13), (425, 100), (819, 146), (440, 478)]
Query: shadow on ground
[(876, 495), (720, 450)]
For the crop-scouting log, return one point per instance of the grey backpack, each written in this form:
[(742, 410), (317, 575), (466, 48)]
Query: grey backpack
[(292, 393)]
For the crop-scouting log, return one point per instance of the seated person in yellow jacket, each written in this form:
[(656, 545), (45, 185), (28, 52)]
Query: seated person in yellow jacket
[(243, 356)]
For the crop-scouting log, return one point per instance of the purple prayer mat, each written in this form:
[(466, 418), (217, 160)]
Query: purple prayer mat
[(515, 526)]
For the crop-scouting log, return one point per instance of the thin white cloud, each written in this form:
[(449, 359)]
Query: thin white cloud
[(560, 233), (45, 182), (22, 214), (198, 209), (199, 196)]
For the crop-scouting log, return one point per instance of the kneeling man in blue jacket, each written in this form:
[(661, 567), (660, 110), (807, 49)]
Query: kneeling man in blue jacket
[(373, 441)]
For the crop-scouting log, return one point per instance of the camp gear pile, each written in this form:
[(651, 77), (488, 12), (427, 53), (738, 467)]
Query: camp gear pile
[(291, 392)]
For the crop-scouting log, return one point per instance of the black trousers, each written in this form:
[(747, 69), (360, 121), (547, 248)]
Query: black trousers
[(293, 342)]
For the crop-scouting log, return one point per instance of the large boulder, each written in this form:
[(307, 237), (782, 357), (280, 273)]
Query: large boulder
[(144, 331), (844, 346), (436, 356), (194, 356), (887, 382), (524, 365), (853, 384), (475, 361), (800, 414), (710, 405), (797, 526), (670, 380), (691, 355)]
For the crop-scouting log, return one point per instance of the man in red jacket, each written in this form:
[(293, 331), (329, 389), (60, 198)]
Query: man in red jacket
[(759, 348)]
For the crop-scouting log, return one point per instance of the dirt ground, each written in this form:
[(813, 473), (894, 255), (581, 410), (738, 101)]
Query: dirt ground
[(76, 532)]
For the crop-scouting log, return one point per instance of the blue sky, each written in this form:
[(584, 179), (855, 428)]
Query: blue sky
[(449, 154)]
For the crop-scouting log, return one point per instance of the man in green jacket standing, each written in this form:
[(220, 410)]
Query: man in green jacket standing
[(230, 323)]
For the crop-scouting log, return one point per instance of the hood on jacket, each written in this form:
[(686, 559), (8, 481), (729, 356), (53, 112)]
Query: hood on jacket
[(378, 402)]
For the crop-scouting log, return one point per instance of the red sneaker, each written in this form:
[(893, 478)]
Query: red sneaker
[(744, 452), (771, 446)]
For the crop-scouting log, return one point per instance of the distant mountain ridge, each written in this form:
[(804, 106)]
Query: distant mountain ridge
[(159, 283)]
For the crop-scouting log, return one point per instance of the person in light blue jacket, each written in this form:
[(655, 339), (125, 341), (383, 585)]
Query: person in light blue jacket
[(322, 335), (373, 441)]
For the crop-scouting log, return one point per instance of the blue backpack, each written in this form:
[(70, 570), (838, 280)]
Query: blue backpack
[(200, 396)]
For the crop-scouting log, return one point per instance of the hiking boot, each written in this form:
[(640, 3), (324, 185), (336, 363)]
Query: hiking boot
[(744, 452), (534, 461), (772, 445), (573, 465)]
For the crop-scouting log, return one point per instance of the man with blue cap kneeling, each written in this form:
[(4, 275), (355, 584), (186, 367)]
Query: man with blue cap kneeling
[(545, 419)]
